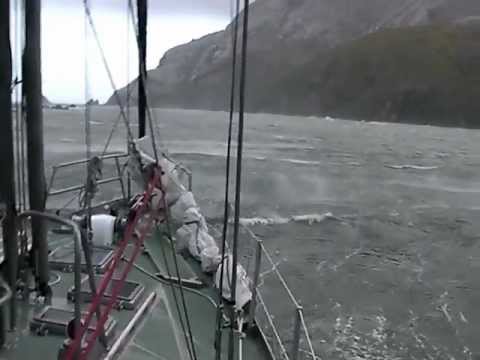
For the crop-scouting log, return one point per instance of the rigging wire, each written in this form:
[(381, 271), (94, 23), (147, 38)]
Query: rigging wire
[(186, 327), (219, 317), (112, 132), (115, 127), (177, 270), (128, 89), (21, 38), (93, 168), (241, 119), (127, 27), (70, 201), (125, 115), (116, 95), (18, 88), (16, 83), (24, 177)]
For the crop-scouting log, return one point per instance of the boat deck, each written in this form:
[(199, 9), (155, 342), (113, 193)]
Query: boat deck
[(158, 335)]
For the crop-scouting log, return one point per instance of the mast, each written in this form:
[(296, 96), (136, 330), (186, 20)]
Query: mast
[(7, 179), (34, 120), (142, 11)]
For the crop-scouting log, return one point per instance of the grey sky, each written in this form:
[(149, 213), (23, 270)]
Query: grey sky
[(171, 22), (169, 7)]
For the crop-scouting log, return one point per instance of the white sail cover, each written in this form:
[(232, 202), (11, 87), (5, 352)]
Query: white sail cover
[(243, 294), (192, 233)]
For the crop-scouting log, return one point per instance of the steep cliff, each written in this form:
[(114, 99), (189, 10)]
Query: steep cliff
[(290, 39)]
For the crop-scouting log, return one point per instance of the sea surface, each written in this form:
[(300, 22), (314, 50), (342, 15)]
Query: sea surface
[(374, 226)]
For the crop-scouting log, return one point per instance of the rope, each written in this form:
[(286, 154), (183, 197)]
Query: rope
[(219, 317), (241, 118), (168, 282)]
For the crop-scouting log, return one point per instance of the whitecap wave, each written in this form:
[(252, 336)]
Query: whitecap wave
[(278, 220), (300, 162), (260, 158), (96, 122), (378, 123), (411, 167)]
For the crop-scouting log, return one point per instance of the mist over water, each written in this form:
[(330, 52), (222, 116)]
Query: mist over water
[(375, 226)]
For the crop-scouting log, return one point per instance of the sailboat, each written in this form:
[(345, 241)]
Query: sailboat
[(135, 277)]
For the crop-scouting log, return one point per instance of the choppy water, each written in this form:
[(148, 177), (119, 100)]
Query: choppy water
[(375, 226)]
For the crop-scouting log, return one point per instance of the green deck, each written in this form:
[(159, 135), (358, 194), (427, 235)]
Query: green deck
[(157, 336)]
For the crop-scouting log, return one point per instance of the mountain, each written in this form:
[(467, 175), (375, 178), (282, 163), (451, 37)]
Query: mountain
[(46, 103), (302, 53)]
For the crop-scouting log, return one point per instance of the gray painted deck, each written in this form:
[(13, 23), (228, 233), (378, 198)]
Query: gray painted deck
[(158, 335)]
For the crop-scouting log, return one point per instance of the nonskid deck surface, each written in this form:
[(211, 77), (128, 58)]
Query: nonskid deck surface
[(158, 335)]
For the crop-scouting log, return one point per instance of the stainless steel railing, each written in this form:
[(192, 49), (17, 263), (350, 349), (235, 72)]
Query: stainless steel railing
[(77, 253), (117, 178), (287, 338)]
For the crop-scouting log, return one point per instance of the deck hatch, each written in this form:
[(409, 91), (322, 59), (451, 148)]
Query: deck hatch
[(62, 259), (54, 321), (129, 296)]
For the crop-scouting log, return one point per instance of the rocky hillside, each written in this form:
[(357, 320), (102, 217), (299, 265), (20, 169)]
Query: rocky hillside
[(303, 53), (426, 75)]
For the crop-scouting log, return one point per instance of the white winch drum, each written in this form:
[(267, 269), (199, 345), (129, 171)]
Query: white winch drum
[(103, 227)]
